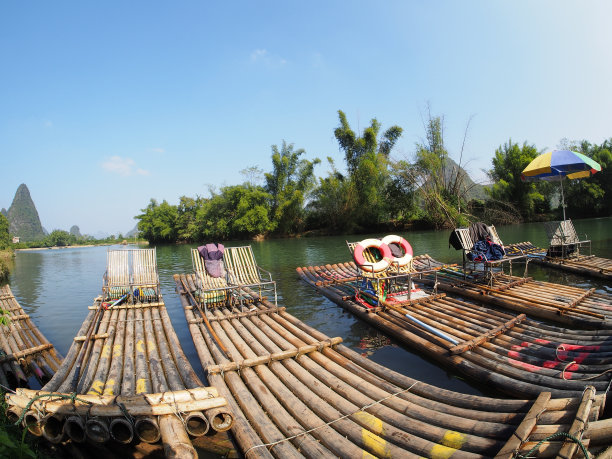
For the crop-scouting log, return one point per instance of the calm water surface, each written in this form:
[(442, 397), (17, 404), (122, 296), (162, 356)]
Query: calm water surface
[(56, 286)]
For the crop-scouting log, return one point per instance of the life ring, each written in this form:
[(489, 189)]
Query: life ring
[(403, 243), (385, 251)]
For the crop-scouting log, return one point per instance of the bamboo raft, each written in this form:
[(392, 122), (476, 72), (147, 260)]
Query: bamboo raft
[(296, 392), (511, 353), (125, 376), (562, 304), (24, 351), (586, 265)]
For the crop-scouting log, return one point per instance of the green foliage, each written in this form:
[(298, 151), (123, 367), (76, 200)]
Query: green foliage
[(12, 438), (59, 238), (441, 182), (5, 239), (367, 163), (591, 196), (236, 212), (158, 222), (289, 184), (508, 163), (332, 203)]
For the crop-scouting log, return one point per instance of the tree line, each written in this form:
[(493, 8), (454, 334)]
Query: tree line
[(377, 192)]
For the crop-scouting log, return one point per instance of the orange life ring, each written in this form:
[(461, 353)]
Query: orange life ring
[(379, 266), (403, 243)]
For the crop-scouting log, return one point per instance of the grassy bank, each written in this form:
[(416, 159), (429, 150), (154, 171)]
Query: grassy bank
[(6, 258)]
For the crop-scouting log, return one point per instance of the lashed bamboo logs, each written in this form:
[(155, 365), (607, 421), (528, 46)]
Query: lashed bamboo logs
[(524, 360), (590, 266), (24, 351), (126, 379), (328, 401)]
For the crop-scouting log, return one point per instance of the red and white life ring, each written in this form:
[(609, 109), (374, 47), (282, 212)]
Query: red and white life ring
[(379, 266), (403, 243)]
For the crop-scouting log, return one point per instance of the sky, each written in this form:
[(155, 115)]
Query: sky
[(106, 105)]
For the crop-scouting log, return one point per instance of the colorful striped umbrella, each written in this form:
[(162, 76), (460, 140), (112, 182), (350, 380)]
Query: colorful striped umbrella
[(558, 164)]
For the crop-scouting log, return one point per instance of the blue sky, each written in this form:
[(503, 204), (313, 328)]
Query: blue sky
[(104, 105)]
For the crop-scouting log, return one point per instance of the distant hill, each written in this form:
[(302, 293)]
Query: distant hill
[(23, 217), (474, 190), (75, 231), (133, 232)]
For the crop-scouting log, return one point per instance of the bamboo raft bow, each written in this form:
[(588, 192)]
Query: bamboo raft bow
[(586, 265), (562, 304), (133, 382), (24, 351), (296, 392), (513, 354)]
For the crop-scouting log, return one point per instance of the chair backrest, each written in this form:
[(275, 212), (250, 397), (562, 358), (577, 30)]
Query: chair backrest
[(144, 267), (561, 232), (117, 268), (463, 234), (199, 268), (241, 264), (494, 236)]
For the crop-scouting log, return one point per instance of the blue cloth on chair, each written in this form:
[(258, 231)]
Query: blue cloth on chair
[(486, 250)]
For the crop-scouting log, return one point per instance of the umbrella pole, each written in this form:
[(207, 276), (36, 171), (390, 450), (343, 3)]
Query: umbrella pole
[(562, 199)]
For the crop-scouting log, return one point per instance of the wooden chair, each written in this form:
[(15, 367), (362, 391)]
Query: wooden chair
[(467, 246), (564, 239), (116, 279), (243, 271), (145, 279), (212, 291)]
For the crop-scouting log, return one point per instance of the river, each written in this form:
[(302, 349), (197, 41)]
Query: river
[(55, 287)]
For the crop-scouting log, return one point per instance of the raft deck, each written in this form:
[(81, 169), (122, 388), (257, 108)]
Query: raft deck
[(586, 265), (296, 392), (24, 350), (507, 352), (562, 304), (125, 377)]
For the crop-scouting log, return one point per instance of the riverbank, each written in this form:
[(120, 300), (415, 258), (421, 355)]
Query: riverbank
[(6, 257)]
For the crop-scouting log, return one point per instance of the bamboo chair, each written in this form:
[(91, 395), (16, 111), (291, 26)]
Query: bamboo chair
[(395, 278), (212, 291), (243, 271), (467, 245), (116, 280), (145, 280), (564, 238)]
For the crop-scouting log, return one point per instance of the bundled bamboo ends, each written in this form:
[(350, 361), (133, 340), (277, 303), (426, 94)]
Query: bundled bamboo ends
[(24, 351), (125, 378)]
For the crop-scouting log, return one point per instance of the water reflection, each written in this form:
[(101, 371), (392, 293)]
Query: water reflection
[(57, 286)]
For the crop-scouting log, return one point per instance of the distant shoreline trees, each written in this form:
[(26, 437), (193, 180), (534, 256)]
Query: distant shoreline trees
[(375, 193)]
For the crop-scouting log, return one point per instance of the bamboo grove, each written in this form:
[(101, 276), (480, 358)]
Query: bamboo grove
[(376, 190)]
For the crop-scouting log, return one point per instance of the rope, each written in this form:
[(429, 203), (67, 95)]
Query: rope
[(327, 424), (555, 435), (583, 379), (72, 396)]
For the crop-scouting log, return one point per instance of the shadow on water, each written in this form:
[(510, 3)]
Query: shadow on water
[(57, 286)]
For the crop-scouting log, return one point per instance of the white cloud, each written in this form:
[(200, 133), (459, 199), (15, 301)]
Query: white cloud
[(123, 166), (261, 55), (158, 150), (48, 123)]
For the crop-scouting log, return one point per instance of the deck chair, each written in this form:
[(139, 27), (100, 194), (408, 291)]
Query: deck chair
[(211, 291), (564, 240), (145, 280), (243, 271), (116, 280), (467, 246)]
